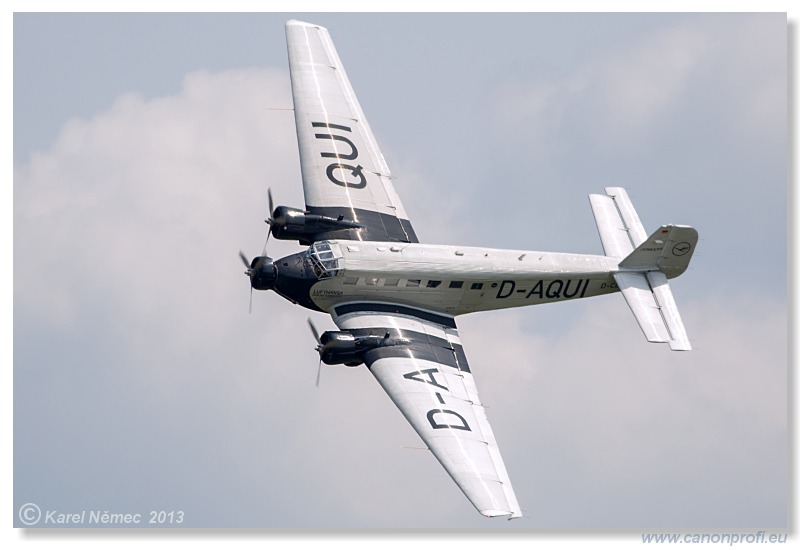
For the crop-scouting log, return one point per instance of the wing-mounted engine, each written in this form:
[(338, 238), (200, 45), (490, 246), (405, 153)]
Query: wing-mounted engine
[(301, 225), (337, 347), (343, 347)]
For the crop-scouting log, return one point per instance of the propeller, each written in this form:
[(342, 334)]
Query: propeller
[(269, 221), (262, 272), (246, 263), (271, 206), (261, 276), (249, 273), (315, 332)]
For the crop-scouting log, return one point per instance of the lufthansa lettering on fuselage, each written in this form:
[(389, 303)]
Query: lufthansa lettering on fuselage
[(326, 292), (340, 173), (545, 289)]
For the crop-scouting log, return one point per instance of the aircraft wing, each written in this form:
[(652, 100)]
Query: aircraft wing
[(430, 381), (344, 172)]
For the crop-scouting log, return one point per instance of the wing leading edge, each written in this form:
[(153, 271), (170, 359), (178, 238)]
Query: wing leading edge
[(429, 380), (344, 172)]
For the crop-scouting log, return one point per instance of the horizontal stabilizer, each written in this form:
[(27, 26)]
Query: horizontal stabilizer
[(617, 221), (645, 264), (650, 299)]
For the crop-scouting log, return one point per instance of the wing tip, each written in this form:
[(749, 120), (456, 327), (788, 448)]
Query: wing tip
[(500, 513), (298, 23), (680, 345)]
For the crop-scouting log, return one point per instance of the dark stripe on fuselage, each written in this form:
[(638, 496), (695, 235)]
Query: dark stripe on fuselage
[(377, 226), (369, 307), (420, 346)]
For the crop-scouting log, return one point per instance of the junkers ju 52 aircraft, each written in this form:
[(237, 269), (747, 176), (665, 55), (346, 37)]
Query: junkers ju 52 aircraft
[(395, 299)]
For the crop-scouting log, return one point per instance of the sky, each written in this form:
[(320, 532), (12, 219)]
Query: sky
[(144, 145)]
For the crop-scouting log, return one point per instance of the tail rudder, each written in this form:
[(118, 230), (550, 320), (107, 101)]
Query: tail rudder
[(668, 250)]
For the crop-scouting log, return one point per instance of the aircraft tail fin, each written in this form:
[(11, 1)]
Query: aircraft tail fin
[(645, 264)]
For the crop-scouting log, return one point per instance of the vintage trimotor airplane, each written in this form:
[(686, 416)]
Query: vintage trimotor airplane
[(395, 300)]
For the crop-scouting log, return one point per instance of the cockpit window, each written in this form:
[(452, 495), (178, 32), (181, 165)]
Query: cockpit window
[(325, 259)]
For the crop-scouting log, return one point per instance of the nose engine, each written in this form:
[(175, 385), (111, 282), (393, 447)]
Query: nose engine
[(262, 272)]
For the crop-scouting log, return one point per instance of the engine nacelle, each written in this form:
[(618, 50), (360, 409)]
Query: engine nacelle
[(263, 272), (343, 347), (293, 224)]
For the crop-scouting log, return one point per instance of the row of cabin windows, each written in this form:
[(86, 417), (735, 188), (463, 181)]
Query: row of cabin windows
[(371, 281)]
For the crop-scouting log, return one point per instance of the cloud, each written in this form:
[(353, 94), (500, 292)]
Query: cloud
[(142, 201), (127, 232), (618, 97)]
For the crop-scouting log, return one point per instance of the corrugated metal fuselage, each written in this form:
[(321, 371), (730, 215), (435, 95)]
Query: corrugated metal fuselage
[(446, 279)]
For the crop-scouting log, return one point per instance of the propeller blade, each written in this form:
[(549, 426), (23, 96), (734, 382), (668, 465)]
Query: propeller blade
[(249, 273), (264, 252), (314, 330), (269, 221), (244, 259), (271, 206)]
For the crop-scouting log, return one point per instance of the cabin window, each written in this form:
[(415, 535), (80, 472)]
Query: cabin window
[(456, 284), (434, 284), (476, 286)]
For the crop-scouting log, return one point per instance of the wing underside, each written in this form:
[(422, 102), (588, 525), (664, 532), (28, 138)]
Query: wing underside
[(429, 380), (344, 172)]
